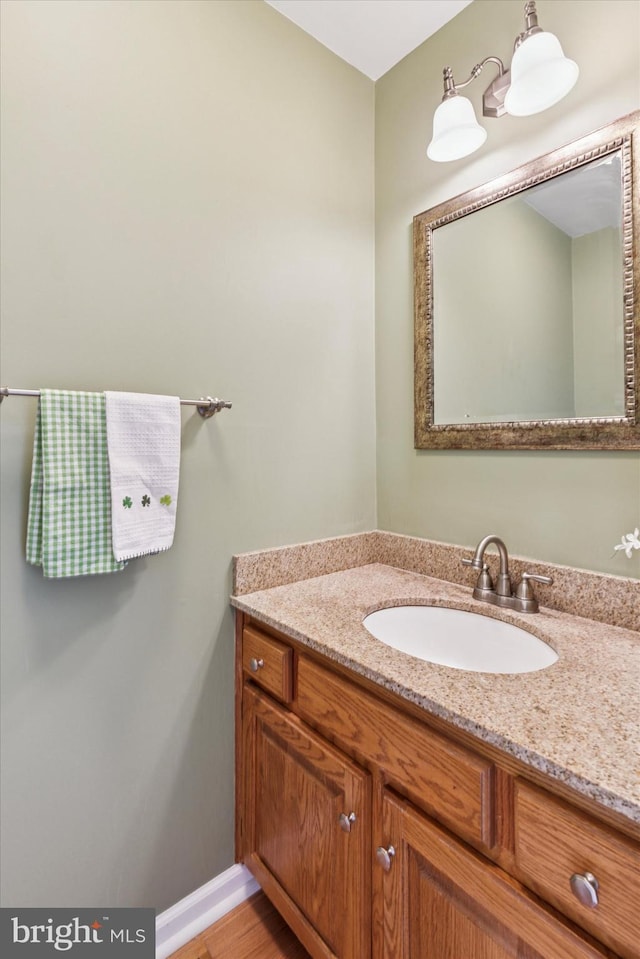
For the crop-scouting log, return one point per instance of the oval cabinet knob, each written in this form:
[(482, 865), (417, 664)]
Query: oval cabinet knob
[(584, 887), (255, 664), (385, 856), (345, 821)]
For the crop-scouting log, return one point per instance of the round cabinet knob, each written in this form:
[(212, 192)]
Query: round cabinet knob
[(584, 887), (345, 821), (255, 664), (385, 856)]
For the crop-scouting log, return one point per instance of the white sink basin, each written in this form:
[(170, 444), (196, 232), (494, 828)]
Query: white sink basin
[(453, 637)]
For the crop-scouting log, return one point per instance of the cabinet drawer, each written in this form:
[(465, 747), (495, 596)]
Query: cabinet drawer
[(268, 662), (446, 780), (554, 841)]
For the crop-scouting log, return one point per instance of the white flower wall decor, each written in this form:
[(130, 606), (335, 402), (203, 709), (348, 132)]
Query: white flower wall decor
[(630, 541)]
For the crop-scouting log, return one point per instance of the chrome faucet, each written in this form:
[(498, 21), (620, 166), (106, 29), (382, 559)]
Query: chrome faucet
[(501, 594)]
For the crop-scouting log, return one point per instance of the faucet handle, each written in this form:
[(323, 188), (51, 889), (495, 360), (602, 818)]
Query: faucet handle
[(524, 584), (485, 582), (527, 602), (484, 579)]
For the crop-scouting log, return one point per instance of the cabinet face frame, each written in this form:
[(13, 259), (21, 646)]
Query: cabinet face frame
[(449, 782)]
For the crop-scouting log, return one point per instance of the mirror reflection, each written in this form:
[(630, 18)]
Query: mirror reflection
[(528, 304)]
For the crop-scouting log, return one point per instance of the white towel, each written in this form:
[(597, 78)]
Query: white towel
[(143, 440)]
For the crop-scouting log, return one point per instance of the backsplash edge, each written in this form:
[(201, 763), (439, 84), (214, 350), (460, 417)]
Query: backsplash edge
[(598, 596)]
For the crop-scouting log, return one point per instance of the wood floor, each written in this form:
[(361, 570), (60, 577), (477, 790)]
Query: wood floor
[(253, 930)]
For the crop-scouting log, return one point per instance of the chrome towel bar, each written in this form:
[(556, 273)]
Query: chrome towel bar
[(206, 405)]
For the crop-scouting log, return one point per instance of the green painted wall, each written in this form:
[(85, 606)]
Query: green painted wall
[(187, 207), (563, 507)]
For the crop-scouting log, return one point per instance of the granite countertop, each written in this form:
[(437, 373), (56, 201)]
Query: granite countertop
[(576, 721)]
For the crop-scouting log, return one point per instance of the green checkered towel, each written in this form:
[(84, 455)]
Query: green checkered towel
[(69, 523)]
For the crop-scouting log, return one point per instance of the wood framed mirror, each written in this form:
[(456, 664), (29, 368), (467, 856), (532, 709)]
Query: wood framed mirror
[(527, 325)]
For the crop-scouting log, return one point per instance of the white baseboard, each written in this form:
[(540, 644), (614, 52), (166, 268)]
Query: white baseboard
[(180, 923)]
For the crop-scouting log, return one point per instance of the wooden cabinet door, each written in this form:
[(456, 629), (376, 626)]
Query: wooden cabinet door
[(441, 900), (308, 830)]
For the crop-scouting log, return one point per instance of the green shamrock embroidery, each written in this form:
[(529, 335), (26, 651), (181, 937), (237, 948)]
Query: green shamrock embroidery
[(127, 502), (165, 500), (146, 500)]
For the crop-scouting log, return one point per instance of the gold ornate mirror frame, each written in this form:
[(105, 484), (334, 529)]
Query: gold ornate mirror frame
[(607, 433)]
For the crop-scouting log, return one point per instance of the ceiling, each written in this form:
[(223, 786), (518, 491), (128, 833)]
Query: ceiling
[(371, 35)]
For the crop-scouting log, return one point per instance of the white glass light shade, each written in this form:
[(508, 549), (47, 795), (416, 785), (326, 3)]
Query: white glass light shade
[(456, 132), (541, 75)]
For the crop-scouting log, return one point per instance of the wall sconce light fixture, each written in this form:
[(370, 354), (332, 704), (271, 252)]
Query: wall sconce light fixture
[(540, 75)]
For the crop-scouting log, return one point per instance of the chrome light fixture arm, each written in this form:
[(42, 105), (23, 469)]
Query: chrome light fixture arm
[(451, 87), (492, 102)]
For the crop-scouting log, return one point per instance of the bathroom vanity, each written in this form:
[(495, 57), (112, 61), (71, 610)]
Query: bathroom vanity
[(398, 809)]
